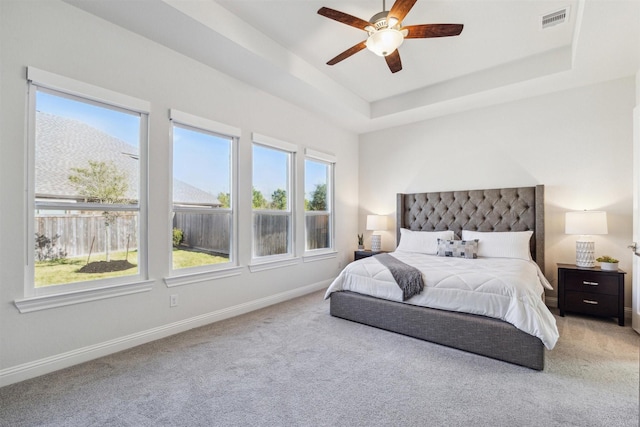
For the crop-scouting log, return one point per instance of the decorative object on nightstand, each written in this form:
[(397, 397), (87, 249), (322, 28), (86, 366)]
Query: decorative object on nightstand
[(608, 263), (591, 291), (376, 223), (586, 224), (360, 242)]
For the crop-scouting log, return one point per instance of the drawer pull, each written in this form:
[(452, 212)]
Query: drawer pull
[(584, 282), (588, 301)]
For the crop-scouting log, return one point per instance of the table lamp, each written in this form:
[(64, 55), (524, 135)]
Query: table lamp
[(585, 224), (376, 223)]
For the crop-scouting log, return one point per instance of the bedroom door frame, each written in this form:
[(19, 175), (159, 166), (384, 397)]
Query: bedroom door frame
[(635, 282)]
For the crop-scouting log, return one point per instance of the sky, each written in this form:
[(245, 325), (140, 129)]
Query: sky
[(315, 173), (200, 159), (269, 170)]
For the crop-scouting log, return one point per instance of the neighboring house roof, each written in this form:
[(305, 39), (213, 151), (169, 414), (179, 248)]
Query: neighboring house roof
[(186, 194), (64, 143)]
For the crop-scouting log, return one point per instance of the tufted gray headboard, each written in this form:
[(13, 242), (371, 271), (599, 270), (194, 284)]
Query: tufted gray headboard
[(502, 209)]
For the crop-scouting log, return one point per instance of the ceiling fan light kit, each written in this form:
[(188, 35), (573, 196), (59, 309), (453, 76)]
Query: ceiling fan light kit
[(386, 33), (384, 42)]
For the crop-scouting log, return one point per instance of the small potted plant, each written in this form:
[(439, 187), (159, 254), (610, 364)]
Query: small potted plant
[(608, 263), (361, 242)]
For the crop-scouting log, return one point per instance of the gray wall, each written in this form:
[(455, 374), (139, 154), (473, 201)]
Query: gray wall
[(578, 143)]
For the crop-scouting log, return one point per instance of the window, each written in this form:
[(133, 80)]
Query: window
[(272, 198), (318, 202), (87, 186), (203, 193)]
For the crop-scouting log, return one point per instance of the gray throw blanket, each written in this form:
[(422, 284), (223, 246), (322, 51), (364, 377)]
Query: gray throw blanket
[(407, 277)]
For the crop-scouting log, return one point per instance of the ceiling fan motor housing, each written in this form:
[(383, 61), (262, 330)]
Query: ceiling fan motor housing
[(379, 20)]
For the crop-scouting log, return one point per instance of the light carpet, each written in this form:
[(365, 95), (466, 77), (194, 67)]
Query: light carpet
[(292, 364)]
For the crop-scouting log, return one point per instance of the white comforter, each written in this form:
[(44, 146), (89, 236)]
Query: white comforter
[(503, 288)]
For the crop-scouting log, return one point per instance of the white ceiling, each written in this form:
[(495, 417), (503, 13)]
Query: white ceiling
[(501, 55), (488, 28)]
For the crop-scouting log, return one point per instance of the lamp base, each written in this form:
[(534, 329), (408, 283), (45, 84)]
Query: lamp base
[(376, 243), (585, 253)]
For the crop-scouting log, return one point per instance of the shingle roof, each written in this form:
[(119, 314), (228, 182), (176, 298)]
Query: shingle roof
[(64, 143)]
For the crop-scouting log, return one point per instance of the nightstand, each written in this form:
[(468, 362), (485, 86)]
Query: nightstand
[(364, 254), (591, 291)]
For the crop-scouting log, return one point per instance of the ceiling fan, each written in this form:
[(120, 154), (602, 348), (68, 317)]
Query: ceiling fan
[(386, 32)]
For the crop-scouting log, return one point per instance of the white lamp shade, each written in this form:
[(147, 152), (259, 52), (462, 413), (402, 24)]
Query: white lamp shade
[(384, 42), (376, 222), (586, 222)]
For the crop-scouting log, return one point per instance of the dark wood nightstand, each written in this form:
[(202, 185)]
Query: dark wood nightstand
[(591, 291), (364, 254)]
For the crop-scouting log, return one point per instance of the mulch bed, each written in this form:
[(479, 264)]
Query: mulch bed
[(106, 266)]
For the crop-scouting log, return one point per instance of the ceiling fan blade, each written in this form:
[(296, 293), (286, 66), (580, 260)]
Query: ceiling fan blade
[(426, 31), (347, 53), (400, 9), (393, 61), (345, 18)]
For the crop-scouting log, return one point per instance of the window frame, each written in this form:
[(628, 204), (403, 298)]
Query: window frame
[(330, 161), (187, 275), (289, 258), (36, 298)]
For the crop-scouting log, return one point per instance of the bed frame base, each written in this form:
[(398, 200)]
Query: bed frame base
[(476, 334)]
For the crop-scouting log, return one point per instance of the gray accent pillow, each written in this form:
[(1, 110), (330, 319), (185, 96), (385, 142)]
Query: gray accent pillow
[(458, 248)]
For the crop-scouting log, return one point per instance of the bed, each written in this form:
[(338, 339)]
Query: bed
[(517, 335)]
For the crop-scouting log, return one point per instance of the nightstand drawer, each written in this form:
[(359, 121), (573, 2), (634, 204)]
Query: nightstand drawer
[(591, 303), (588, 281)]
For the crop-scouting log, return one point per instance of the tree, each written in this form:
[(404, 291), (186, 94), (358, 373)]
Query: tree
[(102, 183), (259, 202), (318, 200), (224, 199), (279, 200)]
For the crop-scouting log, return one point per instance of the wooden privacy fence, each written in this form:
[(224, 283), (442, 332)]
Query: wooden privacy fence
[(317, 229), (270, 234), (77, 231), (209, 233)]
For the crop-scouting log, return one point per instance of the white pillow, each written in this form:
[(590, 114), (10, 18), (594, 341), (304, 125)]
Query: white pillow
[(507, 244), (425, 242)]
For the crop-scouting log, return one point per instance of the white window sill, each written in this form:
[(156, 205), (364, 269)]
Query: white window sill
[(319, 256), (203, 276), (27, 305), (271, 264)]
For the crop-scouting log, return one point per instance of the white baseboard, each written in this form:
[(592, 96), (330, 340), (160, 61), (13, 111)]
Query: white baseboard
[(39, 367)]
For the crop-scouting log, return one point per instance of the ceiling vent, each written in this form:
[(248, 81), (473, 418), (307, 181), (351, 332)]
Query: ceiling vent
[(555, 18)]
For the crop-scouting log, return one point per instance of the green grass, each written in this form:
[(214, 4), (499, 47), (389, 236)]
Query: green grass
[(49, 273), (62, 271), (183, 259)]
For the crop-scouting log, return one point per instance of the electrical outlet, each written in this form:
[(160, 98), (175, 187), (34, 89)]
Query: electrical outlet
[(173, 301)]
